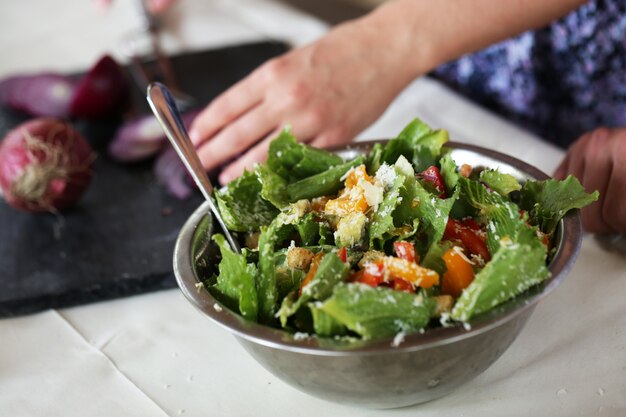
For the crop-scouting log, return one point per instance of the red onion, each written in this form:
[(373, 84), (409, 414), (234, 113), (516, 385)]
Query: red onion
[(142, 137), (43, 94), (137, 139), (171, 172), (101, 91), (45, 165)]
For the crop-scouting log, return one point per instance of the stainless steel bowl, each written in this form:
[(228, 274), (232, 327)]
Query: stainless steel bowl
[(376, 374)]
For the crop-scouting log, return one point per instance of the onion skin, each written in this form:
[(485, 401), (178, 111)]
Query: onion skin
[(45, 166)]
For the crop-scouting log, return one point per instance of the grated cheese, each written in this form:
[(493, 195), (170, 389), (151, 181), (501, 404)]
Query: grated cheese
[(398, 338), (386, 175)]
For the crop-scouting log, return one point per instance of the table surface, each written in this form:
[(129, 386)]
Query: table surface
[(154, 355)]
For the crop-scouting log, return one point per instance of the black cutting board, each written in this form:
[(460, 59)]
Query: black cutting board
[(119, 239)]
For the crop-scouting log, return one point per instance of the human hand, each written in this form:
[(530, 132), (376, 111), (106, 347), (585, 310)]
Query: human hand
[(598, 160), (158, 6), (153, 6), (327, 92)]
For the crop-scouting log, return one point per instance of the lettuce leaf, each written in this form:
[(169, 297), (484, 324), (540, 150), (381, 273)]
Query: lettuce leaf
[(502, 216), (502, 183), (518, 256), (242, 206), (449, 172), (406, 142), (330, 272), (433, 259), (373, 159), (549, 200), (432, 211), (378, 312), (428, 149), (512, 270), (309, 230), (287, 279), (236, 281), (382, 222), (323, 183), (324, 324), (267, 288), (294, 161), (273, 186)]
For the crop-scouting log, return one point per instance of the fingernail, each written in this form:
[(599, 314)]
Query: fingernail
[(102, 5), (194, 136), (225, 178), (156, 6)]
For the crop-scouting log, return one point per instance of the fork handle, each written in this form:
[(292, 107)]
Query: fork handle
[(166, 112)]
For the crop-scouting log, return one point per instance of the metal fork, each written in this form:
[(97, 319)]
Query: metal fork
[(144, 45)]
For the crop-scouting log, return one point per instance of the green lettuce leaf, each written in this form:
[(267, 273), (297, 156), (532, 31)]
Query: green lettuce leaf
[(309, 230), (428, 149), (432, 211), (433, 259), (287, 279), (294, 161), (323, 183), (500, 182), (236, 281), (324, 324), (242, 206), (330, 272), (273, 186), (512, 270), (382, 222), (373, 159), (548, 201), (449, 172), (502, 216), (518, 256), (406, 142), (378, 312), (267, 288)]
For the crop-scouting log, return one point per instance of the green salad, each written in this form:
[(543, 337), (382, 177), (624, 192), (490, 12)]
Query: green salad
[(389, 243)]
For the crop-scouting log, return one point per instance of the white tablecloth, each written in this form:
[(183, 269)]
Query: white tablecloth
[(154, 355)]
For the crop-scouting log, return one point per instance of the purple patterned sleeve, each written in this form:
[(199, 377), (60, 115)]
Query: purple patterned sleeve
[(559, 81)]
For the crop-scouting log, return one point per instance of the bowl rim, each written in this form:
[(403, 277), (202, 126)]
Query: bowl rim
[(569, 237)]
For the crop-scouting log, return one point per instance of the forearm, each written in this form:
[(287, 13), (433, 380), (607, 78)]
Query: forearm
[(432, 32)]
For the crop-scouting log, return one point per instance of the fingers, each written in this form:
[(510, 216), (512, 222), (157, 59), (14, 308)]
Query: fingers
[(159, 6), (576, 151), (614, 202), (576, 157), (333, 137), (237, 137), (561, 172), (598, 166), (227, 107), (256, 154)]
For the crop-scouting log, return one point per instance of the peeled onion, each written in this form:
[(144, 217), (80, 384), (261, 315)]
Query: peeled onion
[(45, 165)]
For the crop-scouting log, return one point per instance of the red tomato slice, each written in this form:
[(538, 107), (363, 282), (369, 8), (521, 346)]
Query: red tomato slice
[(470, 238), (404, 250), (433, 176), (402, 285), (343, 255), (372, 274)]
